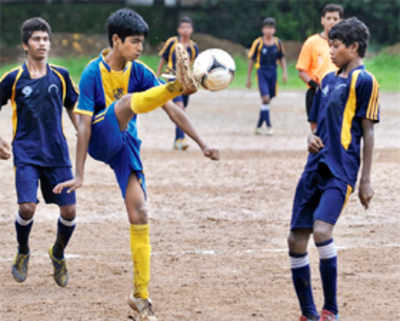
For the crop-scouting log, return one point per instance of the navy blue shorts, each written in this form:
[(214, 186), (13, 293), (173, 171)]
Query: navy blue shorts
[(27, 179), (119, 149), (319, 196), (267, 82), (183, 98)]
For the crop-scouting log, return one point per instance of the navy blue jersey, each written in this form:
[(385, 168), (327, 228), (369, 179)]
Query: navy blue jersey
[(37, 114), (168, 51), (266, 56), (338, 109)]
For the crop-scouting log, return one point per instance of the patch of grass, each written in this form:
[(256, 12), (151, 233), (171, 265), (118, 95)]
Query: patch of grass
[(385, 68)]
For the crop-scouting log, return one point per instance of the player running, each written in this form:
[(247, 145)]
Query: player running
[(265, 52), (314, 61), (38, 91), (116, 87), (345, 109), (168, 56)]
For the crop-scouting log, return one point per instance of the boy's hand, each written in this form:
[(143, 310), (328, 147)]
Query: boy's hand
[(5, 150), (365, 193), (248, 83), (211, 153), (314, 143), (284, 77), (71, 184)]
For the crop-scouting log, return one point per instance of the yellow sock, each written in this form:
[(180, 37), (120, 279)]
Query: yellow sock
[(141, 249), (146, 101)]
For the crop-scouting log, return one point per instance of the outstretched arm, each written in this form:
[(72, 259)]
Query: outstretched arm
[(365, 192), (5, 150), (181, 120), (84, 132)]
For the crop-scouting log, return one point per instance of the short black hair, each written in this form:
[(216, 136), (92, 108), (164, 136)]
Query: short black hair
[(350, 31), (269, 21), (125, 23), (185, 19), (332, 7), (31, 25)]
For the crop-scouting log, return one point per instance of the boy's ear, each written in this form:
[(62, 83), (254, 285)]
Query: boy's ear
[(115, 40), (354, 47)]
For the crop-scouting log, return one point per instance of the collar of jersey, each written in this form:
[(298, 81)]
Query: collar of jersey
[(25, 68), (103, 53), (351, 71)]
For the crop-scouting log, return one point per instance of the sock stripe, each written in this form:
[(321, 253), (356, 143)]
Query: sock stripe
[(327, 250), (21, 221), (297, 262), (67, 222), (264, 107)]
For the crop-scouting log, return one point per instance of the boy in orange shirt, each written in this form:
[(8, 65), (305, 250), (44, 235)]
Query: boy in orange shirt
[(314, 60)]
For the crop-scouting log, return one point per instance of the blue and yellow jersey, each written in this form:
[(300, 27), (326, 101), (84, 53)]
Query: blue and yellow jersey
[(100, 86), (339, 107), (266, 56), (168, 51), (37, 114)]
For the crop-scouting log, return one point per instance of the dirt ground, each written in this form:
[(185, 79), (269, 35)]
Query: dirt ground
[(218, 229)]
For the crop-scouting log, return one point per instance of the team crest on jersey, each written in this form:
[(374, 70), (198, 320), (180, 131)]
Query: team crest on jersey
[(264, 51), (325, 90), (27, 91), (118, 93), (53, 88)]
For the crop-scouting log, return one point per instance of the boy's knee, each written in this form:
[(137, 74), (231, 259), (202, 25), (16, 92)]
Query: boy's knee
[(27, 210), (266, 100), (140, 215), (322, 234), (68, 212)]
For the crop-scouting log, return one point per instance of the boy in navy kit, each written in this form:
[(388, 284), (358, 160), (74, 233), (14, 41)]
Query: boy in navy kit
[(345, 109), (38, 91), (265, 52), (168, 56)]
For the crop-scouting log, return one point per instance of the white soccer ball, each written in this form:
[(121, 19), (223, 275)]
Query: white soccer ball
[(214, 69)]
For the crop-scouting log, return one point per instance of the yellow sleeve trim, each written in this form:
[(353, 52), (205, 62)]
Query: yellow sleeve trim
[(372, 111), (83, 112)]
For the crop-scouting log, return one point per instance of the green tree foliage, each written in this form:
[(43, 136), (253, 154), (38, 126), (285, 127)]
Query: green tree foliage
[(237, 20)]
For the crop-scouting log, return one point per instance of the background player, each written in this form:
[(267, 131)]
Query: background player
[(38, 92), (168, 56), (314, 60), (345, 109), (114, 89), (265, 52)]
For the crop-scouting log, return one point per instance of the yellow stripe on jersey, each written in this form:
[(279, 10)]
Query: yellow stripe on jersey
[(372, 111), (167, 43), (64, 86), (8, 72), (253, 47), (14, 117), (115, 83), (193, 56), (98, 120), (170, 56), (349, 112)]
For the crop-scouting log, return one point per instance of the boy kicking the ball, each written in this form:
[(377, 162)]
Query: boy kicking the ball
[(38, 91), (115, 88), (345, 109), (265, 52)]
